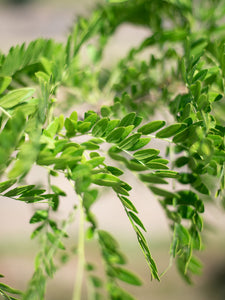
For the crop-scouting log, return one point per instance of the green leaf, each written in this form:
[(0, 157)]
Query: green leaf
[(8, 289), (126, 202), (127, 276), (70, 127), (128, 120), (4, 83), (105, 179), (111, 125), (156, 166), (146, 153), (90, 146), (96, 281), (89, 198), (151, 127), (81, 171), (107, 240), (115, 171), (127, 131), (135, 166), (6, 184), (39, 216), (105, 111), (136, 220), (182, 234), (84, 127), (15, 97), (96, 161), (140, 144), (161, 192), (167, 174), (200, 75), (100, 127), (19, 190), (169, 131), (57, 190), (137, 121), (115, 135), (129, 142), (152, 178)]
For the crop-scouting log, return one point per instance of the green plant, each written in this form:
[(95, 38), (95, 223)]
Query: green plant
[(185, 77)]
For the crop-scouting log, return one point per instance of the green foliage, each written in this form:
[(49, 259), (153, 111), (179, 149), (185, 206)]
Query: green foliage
[(182, 85)]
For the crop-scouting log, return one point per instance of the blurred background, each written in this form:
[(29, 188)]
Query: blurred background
[(25, 20)]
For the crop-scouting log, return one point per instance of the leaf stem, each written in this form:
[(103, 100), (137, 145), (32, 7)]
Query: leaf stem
[(81, 255)]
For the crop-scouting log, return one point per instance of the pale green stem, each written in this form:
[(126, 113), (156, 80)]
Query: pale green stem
[(5, 112), (81, 255)]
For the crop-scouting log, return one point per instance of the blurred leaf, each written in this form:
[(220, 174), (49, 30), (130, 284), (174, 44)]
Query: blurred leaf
[(105, 179), (6, 184), (146, 153), (39, 215), (15, 97), (127, 276)]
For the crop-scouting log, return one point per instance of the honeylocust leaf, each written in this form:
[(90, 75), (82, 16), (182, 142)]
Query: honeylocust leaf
[(126, 202), (19, 190), (4, 83), (128, 120), (127, 276), (115, 171), (105, 179), (107, 240), (152, 178), (169, 131), (6, 184), (15, 97), (39, 216), (146, 153), (135, 218), (115, 135), (129, 142), (151, 127), (140, 144), (8, 289)]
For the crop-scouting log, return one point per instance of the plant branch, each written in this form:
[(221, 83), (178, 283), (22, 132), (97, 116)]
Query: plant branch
[(81, 255)]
